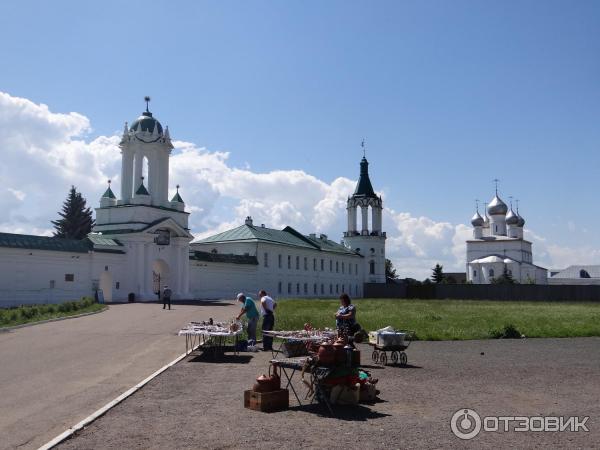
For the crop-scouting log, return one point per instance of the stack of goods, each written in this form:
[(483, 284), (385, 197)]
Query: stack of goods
[(266, 395), (344, 382)]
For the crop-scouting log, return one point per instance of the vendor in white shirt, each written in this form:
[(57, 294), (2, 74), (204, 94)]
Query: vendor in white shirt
[(267, 309)]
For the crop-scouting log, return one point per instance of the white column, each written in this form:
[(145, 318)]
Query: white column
[(365, 219), (376, 218), (185, 289), (164, 176), (145, 268), (137, 176), (126, 175), (139, 253)]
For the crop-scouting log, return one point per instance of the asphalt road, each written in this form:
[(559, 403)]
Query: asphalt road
[(53, 375)]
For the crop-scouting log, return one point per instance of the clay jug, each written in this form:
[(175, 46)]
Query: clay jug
[(340, 355), (326, 354), (262, 384)]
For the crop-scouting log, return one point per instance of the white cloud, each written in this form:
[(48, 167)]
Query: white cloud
[(45, 152)]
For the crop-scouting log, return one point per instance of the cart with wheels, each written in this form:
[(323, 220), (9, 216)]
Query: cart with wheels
[(397, 348)]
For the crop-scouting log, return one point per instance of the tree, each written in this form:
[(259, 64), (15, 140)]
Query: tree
[(438, 274), (505, 278), (76, 218), (390, 270)]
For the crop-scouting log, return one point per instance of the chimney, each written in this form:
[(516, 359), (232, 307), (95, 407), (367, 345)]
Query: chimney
[(262, 225), (248, 221), (323, 236), (312, 235)]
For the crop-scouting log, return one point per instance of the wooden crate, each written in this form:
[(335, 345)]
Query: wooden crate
[(267, 401)]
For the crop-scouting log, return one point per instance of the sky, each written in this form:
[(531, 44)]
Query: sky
[(268, 102)]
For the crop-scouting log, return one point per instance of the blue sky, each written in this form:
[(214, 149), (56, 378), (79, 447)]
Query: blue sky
[(448, 95)]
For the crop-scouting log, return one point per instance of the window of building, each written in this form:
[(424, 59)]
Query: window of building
[(322, 288), (331, 288), (337, 266), (279, 286), (343, 266), (315, 265), (69, 277), (356, 269), (305, 263), (305, 288), (52, 284), (491, 272), (279, 261), (337, 288), (297, 288), (331, 265), (343, 288), (297, 263), (322, 265), (474, 273), (372, 267), (289, 261), (289, 288), (117, 285), (266, 259), (356, 290), (315, 289)]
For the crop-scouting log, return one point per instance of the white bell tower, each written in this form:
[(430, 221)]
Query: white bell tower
[(152, 230), (369, 240)]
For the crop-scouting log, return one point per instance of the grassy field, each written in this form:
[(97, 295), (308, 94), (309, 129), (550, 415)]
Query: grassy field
[(450, 319), (35, 313)]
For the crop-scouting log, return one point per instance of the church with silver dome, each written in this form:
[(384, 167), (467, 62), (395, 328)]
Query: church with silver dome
[(498, 244)]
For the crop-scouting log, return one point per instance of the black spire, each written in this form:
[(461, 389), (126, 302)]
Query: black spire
[(364, 187)]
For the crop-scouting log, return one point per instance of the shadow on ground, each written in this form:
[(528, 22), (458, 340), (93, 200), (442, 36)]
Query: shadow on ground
[(207, 357), (354, 413)]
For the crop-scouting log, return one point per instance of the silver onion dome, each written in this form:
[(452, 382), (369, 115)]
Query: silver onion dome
[(512, 218), (521, 222), (477, 220), (497, 207)]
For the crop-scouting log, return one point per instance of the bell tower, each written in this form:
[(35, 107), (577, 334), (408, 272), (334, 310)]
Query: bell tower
[(369, 239)]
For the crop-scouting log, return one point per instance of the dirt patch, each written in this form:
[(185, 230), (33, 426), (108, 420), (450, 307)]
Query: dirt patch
[(199, 404)]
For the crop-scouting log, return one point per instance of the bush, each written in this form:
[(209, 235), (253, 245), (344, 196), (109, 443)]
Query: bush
[(508, 332)]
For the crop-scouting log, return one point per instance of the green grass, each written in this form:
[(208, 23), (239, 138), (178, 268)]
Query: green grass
[(35, 313), (450, 319)]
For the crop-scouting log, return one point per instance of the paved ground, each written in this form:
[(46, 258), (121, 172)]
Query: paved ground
[(198, 404), (55, 374)]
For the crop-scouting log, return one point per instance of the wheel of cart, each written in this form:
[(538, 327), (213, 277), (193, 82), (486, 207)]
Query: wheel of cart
[(375, 356)]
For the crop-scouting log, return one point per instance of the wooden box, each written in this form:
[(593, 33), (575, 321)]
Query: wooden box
[(267, 401)]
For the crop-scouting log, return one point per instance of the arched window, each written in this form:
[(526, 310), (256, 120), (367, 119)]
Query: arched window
[(584, 274), (279, 288), (491, 273), (474, 273), (372, 267)]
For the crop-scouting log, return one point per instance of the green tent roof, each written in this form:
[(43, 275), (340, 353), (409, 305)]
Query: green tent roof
[(177, 198), (142, 190), (26, 241), (109, 193)]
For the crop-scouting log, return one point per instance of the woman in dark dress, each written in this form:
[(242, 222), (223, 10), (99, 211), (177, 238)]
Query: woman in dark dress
[(345, 317)]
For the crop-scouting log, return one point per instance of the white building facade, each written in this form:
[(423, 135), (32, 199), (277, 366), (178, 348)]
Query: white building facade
[(498, 245), (141, 242)]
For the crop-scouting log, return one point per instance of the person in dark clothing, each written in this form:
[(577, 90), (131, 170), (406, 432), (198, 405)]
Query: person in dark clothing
[(267, 308), (166, 295)]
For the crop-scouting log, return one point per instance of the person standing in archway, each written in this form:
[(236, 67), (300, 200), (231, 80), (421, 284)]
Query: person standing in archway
[(166, 295), (267, 309)]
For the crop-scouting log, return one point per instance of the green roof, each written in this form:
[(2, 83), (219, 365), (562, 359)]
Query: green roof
[(31, 242), (287, 236), (142, 190), (177, 198), (109, 193), (223, 258), (364, 187)]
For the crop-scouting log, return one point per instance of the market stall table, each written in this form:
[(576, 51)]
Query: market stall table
[(210, 337)]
